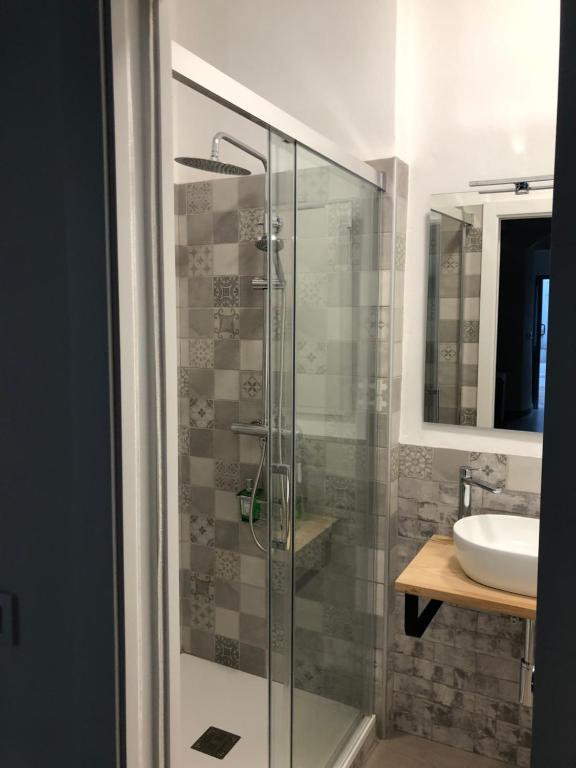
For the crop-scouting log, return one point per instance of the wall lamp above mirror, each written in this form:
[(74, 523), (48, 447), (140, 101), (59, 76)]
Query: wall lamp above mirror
[(488, 298)]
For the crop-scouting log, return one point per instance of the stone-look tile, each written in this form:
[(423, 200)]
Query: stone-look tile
[(458, 685), (227, 652), (199, 229), (226, 259), (251, 323)]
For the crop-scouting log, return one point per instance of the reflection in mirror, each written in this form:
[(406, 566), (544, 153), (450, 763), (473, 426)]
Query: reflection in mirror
[(487, 315)]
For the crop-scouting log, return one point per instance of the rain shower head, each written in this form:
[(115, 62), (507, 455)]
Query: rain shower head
[(213, 165)]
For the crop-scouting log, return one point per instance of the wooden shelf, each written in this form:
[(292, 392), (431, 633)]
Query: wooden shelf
[(436, 573)]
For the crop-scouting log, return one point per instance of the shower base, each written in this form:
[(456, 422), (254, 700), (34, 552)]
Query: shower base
[(214, 695)]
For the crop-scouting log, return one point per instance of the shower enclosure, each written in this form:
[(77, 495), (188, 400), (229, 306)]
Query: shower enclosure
[(283, 351)]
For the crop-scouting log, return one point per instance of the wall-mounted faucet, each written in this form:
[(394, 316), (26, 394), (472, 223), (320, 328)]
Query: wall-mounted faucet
[(466, 483)]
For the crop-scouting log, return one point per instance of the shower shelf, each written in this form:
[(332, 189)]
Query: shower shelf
[(435, 573)]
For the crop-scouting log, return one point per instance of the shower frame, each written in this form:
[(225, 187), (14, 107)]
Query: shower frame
[(194, 72)]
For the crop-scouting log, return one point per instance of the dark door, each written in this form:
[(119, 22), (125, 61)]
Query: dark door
[(58, 618)]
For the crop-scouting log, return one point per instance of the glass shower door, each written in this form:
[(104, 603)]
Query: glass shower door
[(324, 322)]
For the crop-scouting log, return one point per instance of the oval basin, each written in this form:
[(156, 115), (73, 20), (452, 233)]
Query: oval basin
[(499, 551)]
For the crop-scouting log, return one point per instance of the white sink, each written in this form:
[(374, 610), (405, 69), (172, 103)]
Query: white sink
[(500, 551)]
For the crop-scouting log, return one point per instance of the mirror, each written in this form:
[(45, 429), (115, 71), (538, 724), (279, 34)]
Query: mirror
[(487, 315)]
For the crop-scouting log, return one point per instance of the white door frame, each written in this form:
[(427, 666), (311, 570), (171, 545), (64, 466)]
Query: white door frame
[(493, 213)]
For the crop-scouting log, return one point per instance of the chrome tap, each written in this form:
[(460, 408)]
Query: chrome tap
[(466, 483)]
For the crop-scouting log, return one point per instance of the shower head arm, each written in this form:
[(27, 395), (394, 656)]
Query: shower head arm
[(221, 136)]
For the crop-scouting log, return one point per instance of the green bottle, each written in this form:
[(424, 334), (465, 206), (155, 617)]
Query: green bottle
[(244, 498)]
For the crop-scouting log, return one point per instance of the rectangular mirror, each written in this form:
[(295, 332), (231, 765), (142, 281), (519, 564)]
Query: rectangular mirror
[(487, 315)]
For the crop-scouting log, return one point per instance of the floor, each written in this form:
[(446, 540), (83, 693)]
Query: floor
[(412, 752), (214, 695)]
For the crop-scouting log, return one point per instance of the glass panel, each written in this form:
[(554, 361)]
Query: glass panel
[(281, 441), (337, 299), (444, 365)]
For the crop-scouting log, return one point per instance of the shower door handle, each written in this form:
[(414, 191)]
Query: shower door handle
[(284, 471)]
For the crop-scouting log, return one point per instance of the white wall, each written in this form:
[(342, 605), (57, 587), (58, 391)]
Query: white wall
[(330, 63), (476, 99)]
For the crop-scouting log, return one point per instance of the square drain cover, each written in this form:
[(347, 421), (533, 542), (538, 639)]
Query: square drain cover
[(215, 742)]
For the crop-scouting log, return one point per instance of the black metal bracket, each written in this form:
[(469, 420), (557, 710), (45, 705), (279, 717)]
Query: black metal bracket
[(415, 624)]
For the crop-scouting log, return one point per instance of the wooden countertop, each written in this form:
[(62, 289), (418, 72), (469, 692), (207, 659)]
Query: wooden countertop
[(436, 573)]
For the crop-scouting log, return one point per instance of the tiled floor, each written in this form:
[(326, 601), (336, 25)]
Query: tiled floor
[(235, 701), (413, 752)]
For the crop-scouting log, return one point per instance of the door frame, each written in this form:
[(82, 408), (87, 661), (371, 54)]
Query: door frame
[(539, 206)]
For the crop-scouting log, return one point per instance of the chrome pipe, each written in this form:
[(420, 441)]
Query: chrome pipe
[(254, 429)]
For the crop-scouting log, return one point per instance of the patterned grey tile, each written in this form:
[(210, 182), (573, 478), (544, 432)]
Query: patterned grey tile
[(201, 353), (250, 385), (471, 330), (450, 263), (311, 356), (416, 461), (201, 413), (202, 530), (227, 652), (251, 224), (492, 467), (225, 227), (227, 476), (200, 261), (199, 197), (227, 566), (226, 323), (226, 292), (468, 417), (201, 612), (448, 352), (473, 241), (183, 440)]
